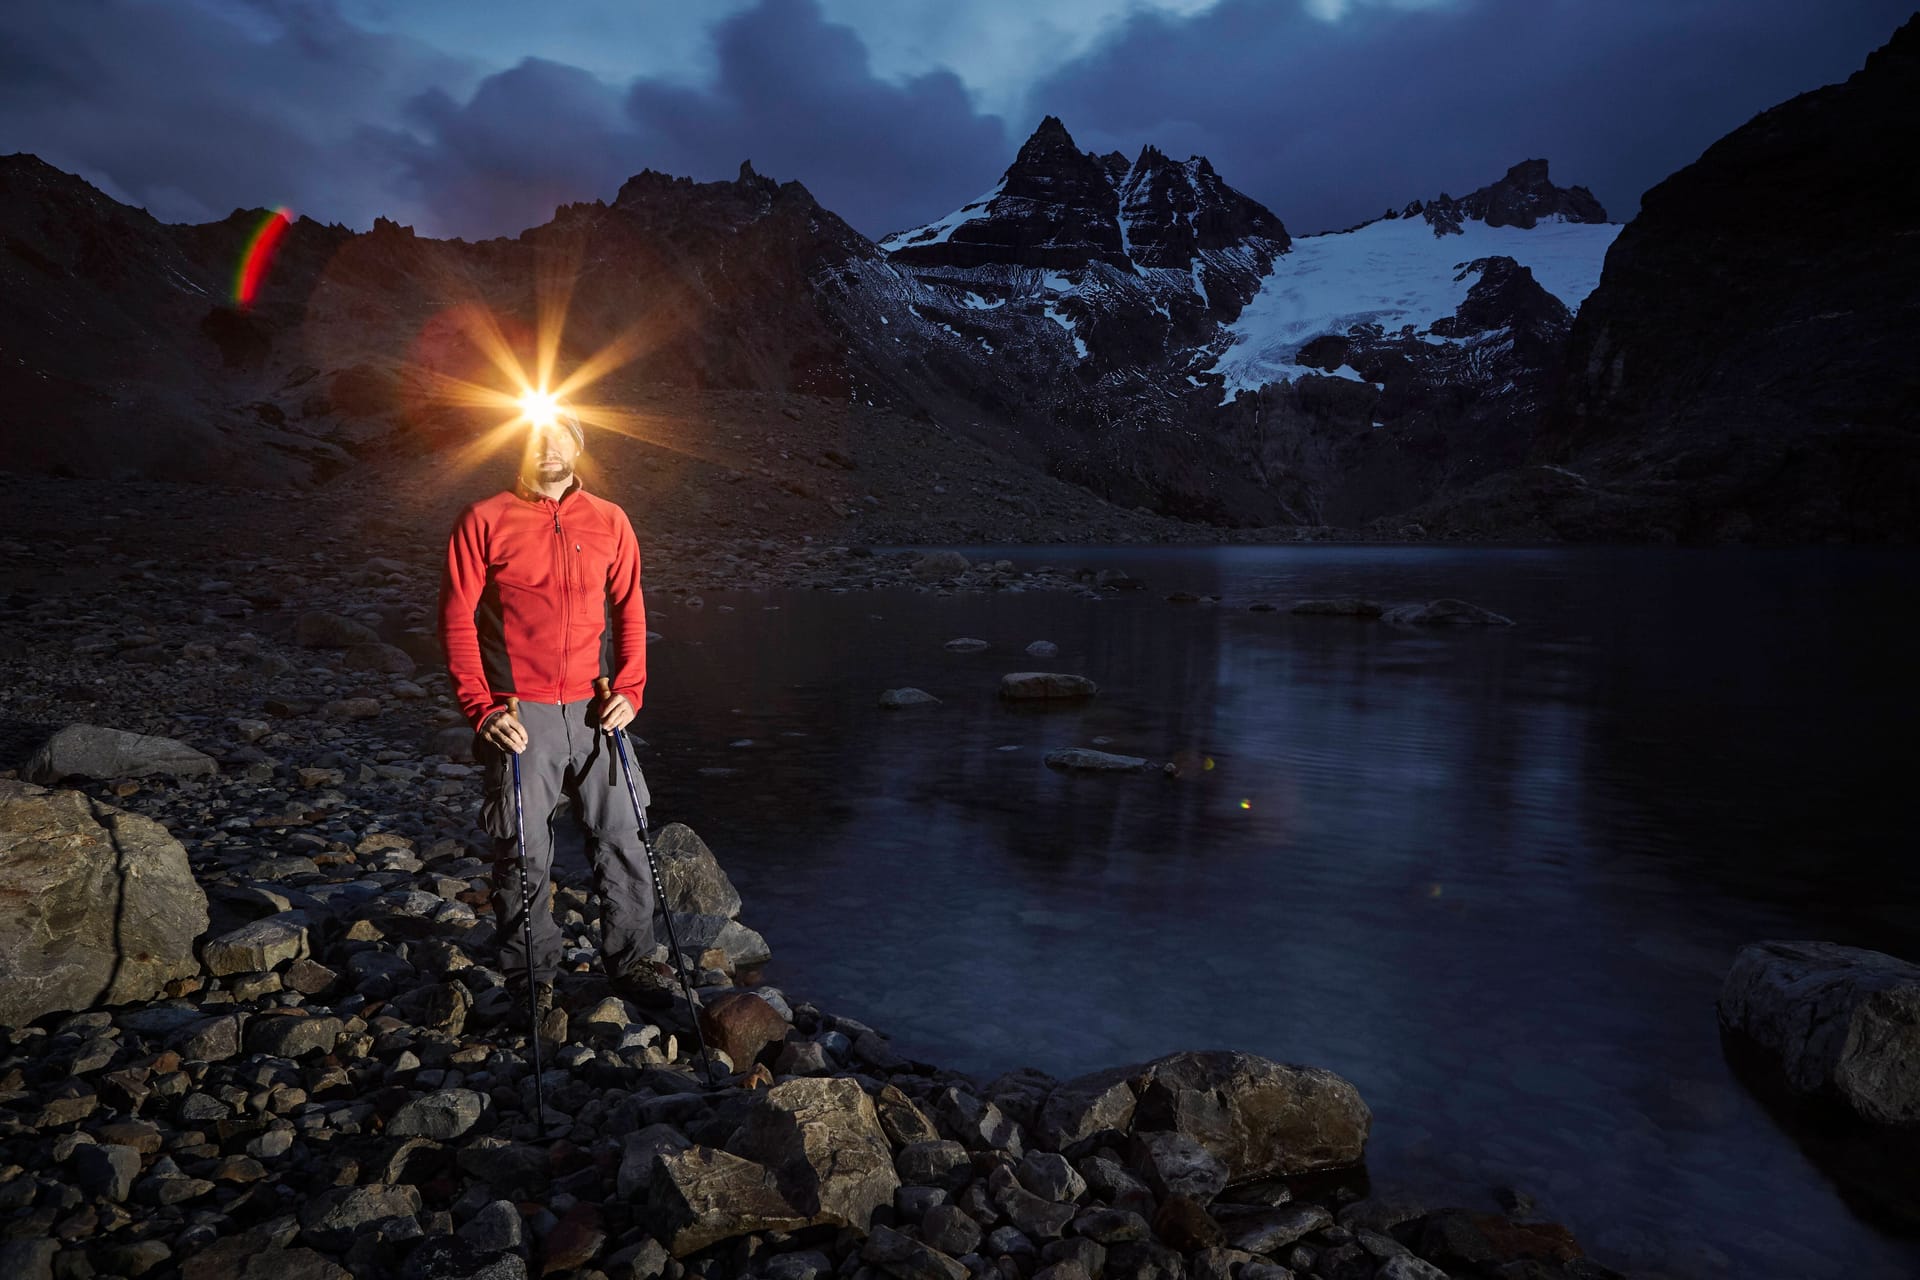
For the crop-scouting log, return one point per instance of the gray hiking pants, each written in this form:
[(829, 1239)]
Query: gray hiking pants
[(567, 758)]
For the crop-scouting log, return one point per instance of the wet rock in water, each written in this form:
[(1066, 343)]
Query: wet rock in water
[(95, 751), (1344, 606), (1086, 758), (823, 1142), (894, 699), (97, 905), (966, 644), (1446, 611), (1045, 685), (701, 1195), (1834, 1020), (1043, 649)]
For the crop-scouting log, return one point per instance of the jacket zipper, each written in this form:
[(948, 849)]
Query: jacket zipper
[(566, 605)]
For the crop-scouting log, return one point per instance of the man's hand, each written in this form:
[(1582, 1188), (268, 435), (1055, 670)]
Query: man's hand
[(504, 730), (615, 712)]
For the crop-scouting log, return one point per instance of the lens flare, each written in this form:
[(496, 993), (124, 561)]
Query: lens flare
[(540, 408), (258, 254)]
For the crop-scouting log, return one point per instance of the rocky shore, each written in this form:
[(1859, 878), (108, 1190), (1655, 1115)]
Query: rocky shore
[(255, 1027)]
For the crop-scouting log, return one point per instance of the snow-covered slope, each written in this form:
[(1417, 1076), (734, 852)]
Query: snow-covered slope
[(1393, 273)]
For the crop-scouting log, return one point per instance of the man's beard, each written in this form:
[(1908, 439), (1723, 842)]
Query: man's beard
[(552, 472)]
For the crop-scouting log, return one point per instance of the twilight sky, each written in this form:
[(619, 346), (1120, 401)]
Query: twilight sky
[(474, 118)]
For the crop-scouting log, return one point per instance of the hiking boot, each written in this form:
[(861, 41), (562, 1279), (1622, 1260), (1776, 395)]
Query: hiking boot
[(650, 984)]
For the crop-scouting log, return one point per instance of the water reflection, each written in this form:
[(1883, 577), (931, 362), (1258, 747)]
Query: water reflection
[(1492, 875)]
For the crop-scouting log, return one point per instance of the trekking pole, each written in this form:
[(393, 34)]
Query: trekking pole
[(526, 927), (604, 686)]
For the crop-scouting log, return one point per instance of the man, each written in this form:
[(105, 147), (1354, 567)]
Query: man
[(541, 595)]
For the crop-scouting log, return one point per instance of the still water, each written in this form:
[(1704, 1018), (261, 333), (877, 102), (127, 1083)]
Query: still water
[(1491, 875)]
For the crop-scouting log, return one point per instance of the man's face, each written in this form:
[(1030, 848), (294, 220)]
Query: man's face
[(551, 452)]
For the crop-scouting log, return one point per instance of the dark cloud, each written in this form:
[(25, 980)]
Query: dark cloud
[(793, 93), (195, 107), (190, 112), (1332, 123)]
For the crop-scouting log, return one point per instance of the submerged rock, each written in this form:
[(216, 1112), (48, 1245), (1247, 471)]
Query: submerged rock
[(1839, 1021)]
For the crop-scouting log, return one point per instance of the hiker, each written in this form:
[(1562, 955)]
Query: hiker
[(541, 595)]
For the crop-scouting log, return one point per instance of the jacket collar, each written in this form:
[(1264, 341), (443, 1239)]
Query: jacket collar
[(526, 492)]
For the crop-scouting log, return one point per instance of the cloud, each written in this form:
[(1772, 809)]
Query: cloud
[(196, 109), (792, 92), (1330, 112)]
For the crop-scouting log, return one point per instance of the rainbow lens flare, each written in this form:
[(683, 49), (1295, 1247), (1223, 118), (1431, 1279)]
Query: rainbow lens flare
[(259, 253)]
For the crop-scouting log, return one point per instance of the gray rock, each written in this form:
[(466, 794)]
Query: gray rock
[(1837, 1020), (259, 946), (966, 644), (208, 1040), (292, 1036), (93, 751), (1271, 1230), (1045, 685), (1048, 1175), (331, 1219), (443, 1115), (496, 1228), (1043, 649), (901, 1255), (107, 1170), (745, 948), (702, 1195), (894, 699), (950, 1229), (97, 905), (1173, 1163), (636, 1156), (936, 1163)]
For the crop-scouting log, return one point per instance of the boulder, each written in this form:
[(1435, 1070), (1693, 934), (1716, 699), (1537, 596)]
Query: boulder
[(94, 751), (691, 877), (1838, 1021), (97, 905), (821, 1137), (895, 699)]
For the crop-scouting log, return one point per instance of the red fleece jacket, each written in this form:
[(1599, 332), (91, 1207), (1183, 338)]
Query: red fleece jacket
[(539, 597)]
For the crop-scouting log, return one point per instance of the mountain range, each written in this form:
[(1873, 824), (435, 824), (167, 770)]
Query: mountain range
[(1729, 366)]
